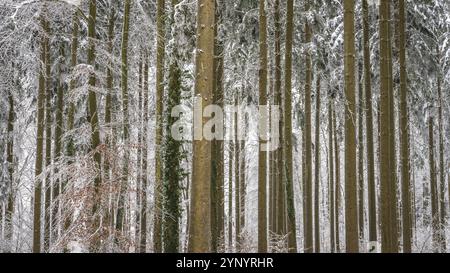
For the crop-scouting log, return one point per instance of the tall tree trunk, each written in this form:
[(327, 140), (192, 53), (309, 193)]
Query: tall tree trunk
[(351, 212), (369, 128), (404, 133), (435, 221), (70, 148), (242, 183), (262, 153), (288, 174), (160, 45), (277, 99), (173, 173), (126, 122), (394, 221), (217, 164), (39, 147), (95, 130), (140, 145), (48, 138), (337, 186), (9, 214), (317, 172), (331, 191), (230, 191), (442, 207), (109, 106), (59, 131), (237, 199), (389, 241), (144, 182), (309, 247), (200, 222), (361, 202)]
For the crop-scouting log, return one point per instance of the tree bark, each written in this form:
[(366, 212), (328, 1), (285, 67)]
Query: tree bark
[(160, 47), (404, 133), (351, 213), (369, 127), (200, 222), (309, 247), (262, 154)]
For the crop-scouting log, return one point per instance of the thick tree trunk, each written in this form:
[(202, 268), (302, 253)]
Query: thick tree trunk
[(200, 222), (351, 212), (217, 164), (389, 240)]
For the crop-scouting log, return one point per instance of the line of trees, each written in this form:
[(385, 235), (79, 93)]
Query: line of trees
[(89, 97)]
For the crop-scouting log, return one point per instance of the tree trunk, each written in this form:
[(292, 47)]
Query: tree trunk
[(160, 45), (369, 128), (200, 222), (59, 131), (95, 130), (442, 207), (435, 221), (288, 172), (39, 148), (262, 153), (317, 172), (388, 190), (237, 199), (126, 123), (9, 214), (361, 202), (70, 149), (217, 164), (337, 186), (309, 247), (331, 191), (144, 181), (351, 212), (404, 133), (48, 138)]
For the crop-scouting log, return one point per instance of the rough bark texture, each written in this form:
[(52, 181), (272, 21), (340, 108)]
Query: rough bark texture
[(351, 212), (200, 218)]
